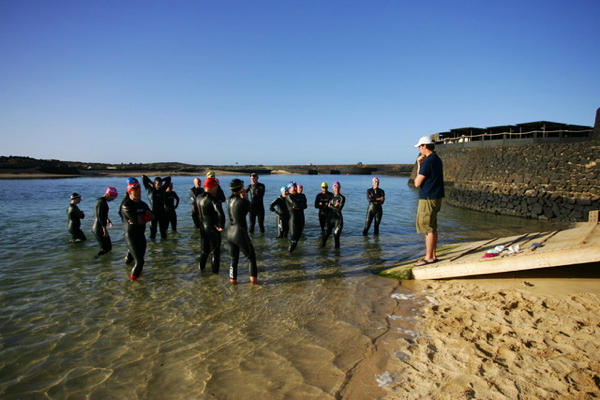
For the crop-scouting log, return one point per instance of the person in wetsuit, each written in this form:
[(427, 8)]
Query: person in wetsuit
[(125, 196), (238, 207), (335, 220), (171, 204), (74, 217), (136, 214), (279, 207), (213, 222), (321, 201), (376, 198), (256, 192), (102, 222), (220, 193), (196, 191), (156, 195), (296, 203)]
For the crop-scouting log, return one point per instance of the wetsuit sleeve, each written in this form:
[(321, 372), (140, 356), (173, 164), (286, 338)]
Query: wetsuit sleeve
[(129, 212), (120, 212), (273, 204), (76, 212), (382, 195), (221, 216), (166, 184), (102, 213), (303, 204), (176, 200), (370, 195), (147, 182)]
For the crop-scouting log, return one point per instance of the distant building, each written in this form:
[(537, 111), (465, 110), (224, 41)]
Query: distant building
[(519, 134)]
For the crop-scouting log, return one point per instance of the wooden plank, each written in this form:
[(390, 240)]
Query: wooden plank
[(561, 247), (521, 262)]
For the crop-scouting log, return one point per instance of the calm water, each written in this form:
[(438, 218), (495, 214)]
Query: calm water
[(75, 327)]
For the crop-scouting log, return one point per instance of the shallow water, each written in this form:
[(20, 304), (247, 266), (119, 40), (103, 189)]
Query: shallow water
[(73, 327)]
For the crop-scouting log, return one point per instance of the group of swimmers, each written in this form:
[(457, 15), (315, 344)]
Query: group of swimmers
[(209, 218)]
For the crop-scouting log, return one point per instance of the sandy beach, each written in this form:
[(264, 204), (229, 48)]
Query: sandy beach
[(523, 337)]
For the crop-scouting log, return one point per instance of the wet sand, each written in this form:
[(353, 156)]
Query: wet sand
[(527, 336)]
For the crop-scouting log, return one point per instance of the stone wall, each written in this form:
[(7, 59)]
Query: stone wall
[(546, 181)]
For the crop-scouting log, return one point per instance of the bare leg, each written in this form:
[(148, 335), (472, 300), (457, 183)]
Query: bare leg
[(431, 239)]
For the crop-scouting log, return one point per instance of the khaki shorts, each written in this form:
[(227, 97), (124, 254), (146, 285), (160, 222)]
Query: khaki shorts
[(427, 215)]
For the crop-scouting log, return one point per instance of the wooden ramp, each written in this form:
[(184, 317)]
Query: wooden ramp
[(578, 245)]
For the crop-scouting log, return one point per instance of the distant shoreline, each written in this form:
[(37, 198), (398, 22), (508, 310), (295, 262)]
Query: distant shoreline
[(35, 173)]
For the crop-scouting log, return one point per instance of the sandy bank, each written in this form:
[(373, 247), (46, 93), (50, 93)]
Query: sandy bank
[(517, 338)]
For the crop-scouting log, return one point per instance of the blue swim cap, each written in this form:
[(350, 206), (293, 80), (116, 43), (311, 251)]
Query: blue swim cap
[(283, 189), (291, 185), (131, 180)]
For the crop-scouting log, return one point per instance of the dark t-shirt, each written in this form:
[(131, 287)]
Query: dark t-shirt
[(433, 171)]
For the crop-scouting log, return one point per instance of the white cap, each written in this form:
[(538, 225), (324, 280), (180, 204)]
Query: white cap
[(424, 140)]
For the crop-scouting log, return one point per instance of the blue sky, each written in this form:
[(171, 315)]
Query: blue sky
[(284, 82)]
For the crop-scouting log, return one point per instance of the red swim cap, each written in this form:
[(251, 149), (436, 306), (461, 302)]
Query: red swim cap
[(132, 186), (211, 183)]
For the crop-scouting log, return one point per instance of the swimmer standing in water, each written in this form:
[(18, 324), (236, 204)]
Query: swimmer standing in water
[(74, 217), (156, 195), (136, 214), (213, 222), (321, 201), (171, 204), (195, 192), (376, 198), (335, 220), (296, 203), (256, 193), (102, 222), (279, 207), (238, 207)]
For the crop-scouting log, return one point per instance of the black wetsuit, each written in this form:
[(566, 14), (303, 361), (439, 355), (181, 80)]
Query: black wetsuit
[(256, 193), (296, 205), (135, 216), (171, 204), (375, 210), (212, 216), (335, 220), (279, 207), (123, 200), (195, 192), (74, 217), (220, 200), (321, 204), (100, 224), (237, 235), (157, 203)]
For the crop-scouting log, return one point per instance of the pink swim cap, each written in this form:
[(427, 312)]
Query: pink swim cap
[(111, 191)]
